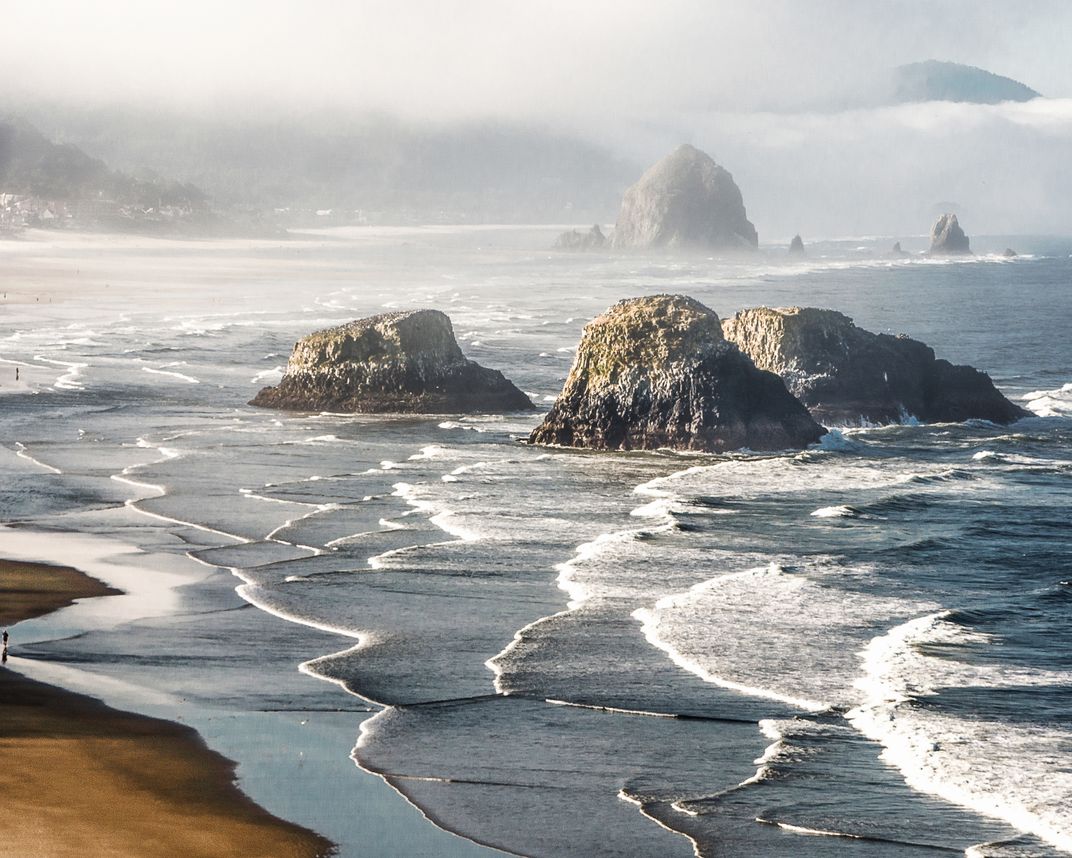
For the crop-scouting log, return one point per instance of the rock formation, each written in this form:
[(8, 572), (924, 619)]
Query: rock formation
[(897, 251), (396, 362), (1010, 253), (846, 375), (947, 238), (796, 246), (574, 239), (685, 200), (657, 372)]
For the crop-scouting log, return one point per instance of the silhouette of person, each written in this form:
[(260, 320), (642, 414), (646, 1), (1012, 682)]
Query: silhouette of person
[(5, 638), (16, 373)]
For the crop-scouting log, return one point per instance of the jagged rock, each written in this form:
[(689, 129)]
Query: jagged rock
[(685, 200), (1010, 253), (897, 251), (796, 246), (657, 372), (846, 375), (947, 238), (406, 362), (574, 239)]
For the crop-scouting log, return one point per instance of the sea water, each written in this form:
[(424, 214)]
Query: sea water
[(864, 647)]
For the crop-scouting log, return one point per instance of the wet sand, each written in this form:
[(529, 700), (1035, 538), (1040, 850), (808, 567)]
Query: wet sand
[(79, 778)]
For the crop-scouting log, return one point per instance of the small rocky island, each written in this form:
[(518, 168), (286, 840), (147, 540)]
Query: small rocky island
[(796, 246), (406, 362), (574, 239), (947, 238), (847, 375), (657, 372), (686, 200)]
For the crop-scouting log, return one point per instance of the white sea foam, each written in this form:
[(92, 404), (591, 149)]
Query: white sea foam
[(834, 512), (811, 832), (156, 490), (1050, 403), (752, 642), (1014, 772), (271, 375), (432, 451), (188, 379), (68, 380), (23, 453), (445, 519), (455, 424), (626, 796)]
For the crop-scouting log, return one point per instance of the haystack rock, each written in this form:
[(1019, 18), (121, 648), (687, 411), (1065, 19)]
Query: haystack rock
[(686, 200), (657, 372), (796, 246), (848, 376), (574, 239), (405, 362), (947, 238)]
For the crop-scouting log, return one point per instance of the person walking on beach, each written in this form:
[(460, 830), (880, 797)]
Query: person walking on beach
[(5, 638)]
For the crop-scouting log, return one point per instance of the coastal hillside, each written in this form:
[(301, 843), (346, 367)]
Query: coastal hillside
[(44, 183), (934, 80), (334, 167)]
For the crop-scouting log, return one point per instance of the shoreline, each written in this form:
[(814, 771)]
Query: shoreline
[(158, 790)]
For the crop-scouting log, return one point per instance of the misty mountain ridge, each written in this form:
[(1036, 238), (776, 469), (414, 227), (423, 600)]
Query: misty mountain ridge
[(31, 164), (352, 168), (44, 183), (935, 80)]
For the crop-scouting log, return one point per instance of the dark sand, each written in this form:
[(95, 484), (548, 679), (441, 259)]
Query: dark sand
[(79, 778)]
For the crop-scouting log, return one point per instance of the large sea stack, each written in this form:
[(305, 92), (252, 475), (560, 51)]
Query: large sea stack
[(657, 372), (848, 376), (405, 362), (947, 238), (685, 200)]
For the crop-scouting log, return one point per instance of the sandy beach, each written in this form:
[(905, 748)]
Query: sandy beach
[(82, 778)]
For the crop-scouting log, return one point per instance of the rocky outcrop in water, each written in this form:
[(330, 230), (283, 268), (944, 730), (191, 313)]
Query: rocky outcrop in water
[(405, 362), (657, 372), (947, 238), (896, 250), (846, 375), (796, 246), (685, 200), (574, 239), (1010, 253)]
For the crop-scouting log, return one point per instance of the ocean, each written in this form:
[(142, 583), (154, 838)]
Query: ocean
[(863, 648)]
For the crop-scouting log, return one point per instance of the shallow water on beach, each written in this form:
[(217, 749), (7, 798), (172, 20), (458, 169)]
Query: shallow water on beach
[(863, 648)]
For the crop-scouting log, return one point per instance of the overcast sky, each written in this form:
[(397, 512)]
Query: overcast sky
[(533, 59), (757, 83)]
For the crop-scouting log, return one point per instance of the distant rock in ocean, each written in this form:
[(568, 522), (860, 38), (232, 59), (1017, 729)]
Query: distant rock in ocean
[(796, 246), (406, 362), (686, 200), (896, 250), (574, 239), (657, 372), (947, 238), (1010, 253), (846, 375)]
